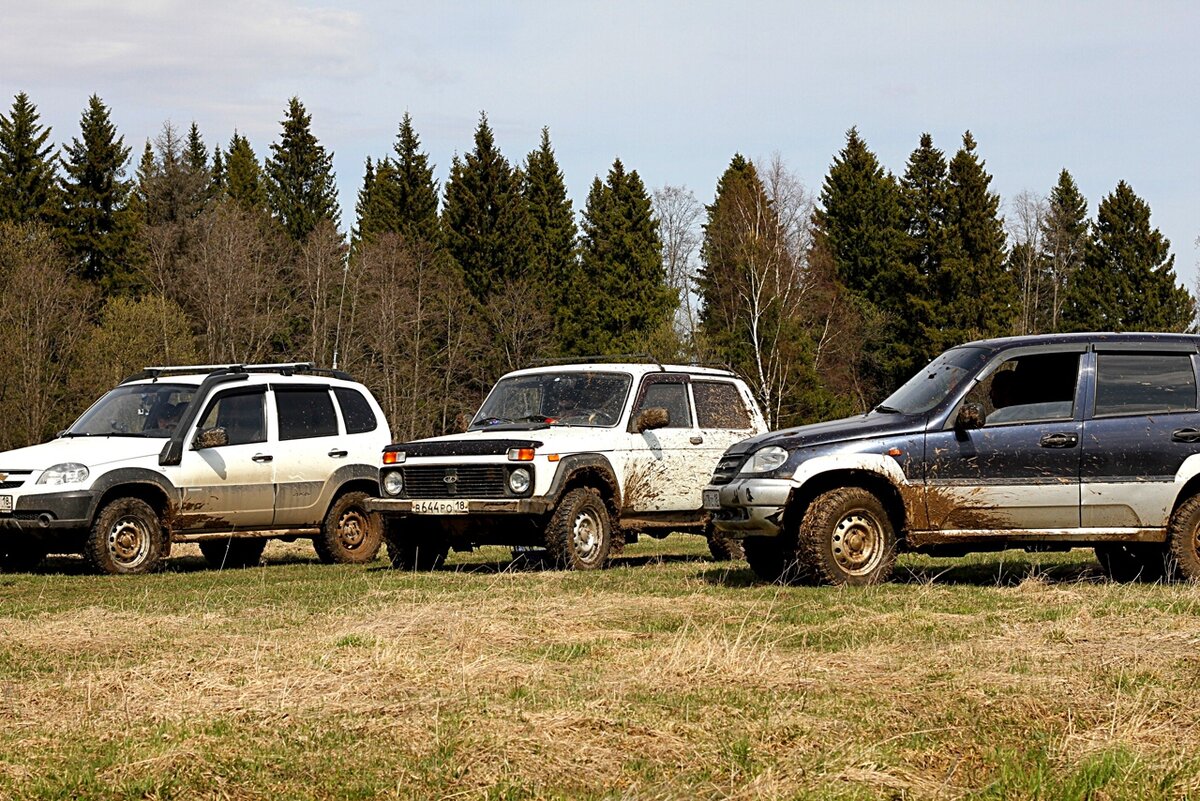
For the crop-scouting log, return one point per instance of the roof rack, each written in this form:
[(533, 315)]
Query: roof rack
[(615, 358), (283, 368)]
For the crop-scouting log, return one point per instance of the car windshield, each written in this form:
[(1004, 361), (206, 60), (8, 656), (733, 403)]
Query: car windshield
[(570, 398), (930, 386), (135, 410)]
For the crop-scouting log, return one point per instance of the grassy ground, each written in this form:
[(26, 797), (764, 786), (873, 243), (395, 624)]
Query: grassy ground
[(668, 676)]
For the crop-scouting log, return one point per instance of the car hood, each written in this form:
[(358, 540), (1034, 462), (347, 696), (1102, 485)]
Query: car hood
[(486, 442), (91, 452), (848, 429)]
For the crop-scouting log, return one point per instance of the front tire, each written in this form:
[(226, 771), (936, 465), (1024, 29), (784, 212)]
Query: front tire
[(1183, 538), (350, 534), (127, 538), (846, 537), (233, 553), (579, 535)]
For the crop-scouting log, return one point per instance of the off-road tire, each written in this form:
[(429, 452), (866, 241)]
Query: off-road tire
[(846, 537), (350, 534), (127, 537), (579, 535), (233, 553), (723, 547), (414, 546), (1134, 561), (766, 557), (22, 556), (1183, 539)]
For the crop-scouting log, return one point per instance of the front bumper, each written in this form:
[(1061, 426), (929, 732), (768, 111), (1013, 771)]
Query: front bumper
[(51, 510), (751, 507), (518, 506)]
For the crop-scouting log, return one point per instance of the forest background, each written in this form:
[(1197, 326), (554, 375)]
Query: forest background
[(825, 300)]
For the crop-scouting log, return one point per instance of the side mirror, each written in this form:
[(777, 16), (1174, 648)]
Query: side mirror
[(652, 418), (210, 438), (970, 417)]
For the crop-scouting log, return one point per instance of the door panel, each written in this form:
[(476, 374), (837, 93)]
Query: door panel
[(665, 467), (310, 449)]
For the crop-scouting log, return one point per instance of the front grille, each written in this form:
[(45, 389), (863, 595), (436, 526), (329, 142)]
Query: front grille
[(10, 484), (467, 481), (14, 478), (727, 468)]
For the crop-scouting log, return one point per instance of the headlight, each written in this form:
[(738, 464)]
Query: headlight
[(766, 460), (518, 480), (393, 482), (66, 473)]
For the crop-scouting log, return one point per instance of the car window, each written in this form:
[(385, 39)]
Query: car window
[(670, 396), (242, 415), (305, 412), (356, 412), (720, 405), (1030, 388), (1128, 383)]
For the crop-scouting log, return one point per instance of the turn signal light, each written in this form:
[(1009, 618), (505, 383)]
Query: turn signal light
[(520, 454), (393, 457)]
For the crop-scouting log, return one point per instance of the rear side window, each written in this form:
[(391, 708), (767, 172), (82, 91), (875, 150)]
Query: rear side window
[(355, 411), (1129, 383), (305, 413), (719, 405)]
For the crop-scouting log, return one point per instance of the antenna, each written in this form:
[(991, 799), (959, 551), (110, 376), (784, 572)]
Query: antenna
[(337, 332)]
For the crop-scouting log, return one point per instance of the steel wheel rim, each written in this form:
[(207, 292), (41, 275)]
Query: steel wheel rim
[(857, 543), (352, 529), (586, 535), (129, 541)]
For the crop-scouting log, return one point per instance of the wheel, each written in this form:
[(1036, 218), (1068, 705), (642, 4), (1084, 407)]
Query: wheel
[(846, 537), (413, 546), (579, 535), (127, 537), (233, 553), (21, 556), (723, 547), (1183, 539), (350, 534), (1133, 561), (773, 559)]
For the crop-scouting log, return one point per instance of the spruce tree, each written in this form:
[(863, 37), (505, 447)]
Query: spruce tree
[(244, 183), (27, 173), (978, 294), (97, 226), (219, 177), (364, 207), (859, 226), (1064, 241), (552, 230), (485, 220), (416, 193), (1127, 280), (924, 190), (197, 153), (300, 183), (620, 298)]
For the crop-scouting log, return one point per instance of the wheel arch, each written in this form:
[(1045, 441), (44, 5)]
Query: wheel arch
[(588, 470), (878, 485)]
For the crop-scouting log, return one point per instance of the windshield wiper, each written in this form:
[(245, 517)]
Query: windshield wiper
[(887, 409)]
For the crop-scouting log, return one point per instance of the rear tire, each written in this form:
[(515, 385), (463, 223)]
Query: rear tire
[(1183, 539), (350, 534), (723, 547), (1135, 561), (579, 535), (233, 553), (127, 538), (413, 546)]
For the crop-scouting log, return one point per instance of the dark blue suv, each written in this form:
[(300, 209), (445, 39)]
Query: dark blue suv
[(1043, 442)]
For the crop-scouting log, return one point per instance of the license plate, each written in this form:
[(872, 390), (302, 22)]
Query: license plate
[(440, 507), (6, 504), (712, 499)]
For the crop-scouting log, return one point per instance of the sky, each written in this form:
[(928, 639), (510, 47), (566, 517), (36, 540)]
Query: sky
[(674, 88)]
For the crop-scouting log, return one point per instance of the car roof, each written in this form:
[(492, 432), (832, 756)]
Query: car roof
[(1087, 337), (633, 368), (252, 379)]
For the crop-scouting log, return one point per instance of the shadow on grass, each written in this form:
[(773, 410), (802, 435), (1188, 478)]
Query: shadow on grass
[(993, 571)]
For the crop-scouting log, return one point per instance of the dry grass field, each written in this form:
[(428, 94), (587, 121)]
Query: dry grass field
[(666, 677)]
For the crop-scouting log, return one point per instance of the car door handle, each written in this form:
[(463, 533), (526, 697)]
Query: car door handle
[(262, 457), (1185, 435), (1060, 441), (696, 440), (338, 454)]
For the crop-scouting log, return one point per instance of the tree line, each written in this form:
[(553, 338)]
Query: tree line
[(823, 302)]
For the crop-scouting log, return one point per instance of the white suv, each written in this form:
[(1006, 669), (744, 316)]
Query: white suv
[(577, 460), (225, 456)]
